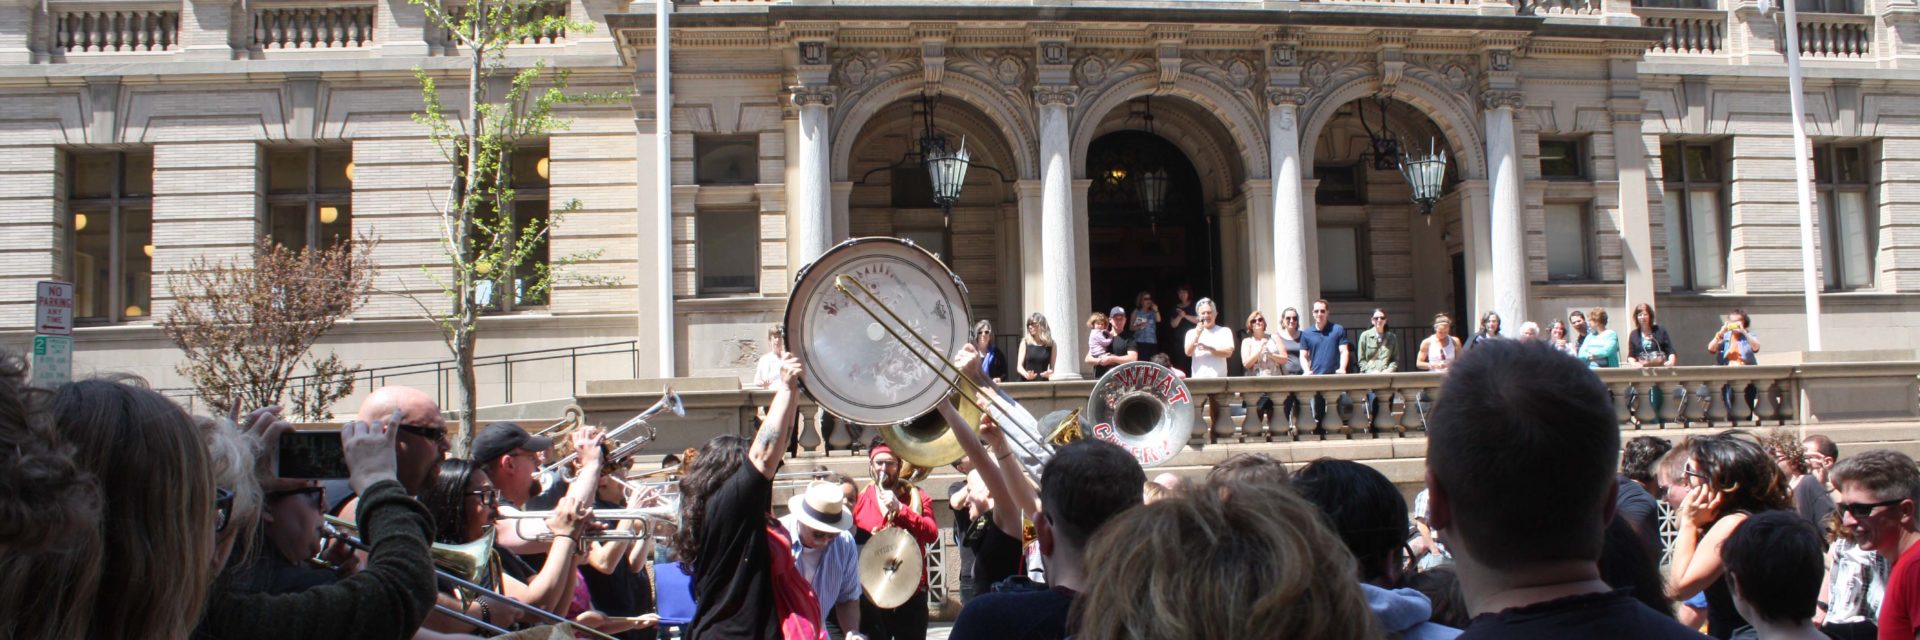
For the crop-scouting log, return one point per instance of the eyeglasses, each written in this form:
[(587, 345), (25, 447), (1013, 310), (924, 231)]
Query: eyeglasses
[(222, 508), (1319, 312), (490, 498), (1290, 318), (1259, 320), (1860, 511), (314, 496), (436, 434), (1379, 318)]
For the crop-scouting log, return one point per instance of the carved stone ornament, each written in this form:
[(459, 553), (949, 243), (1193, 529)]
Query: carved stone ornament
[(1056, 95), (1092, 71), (1492, 100), (854, 71), (1009, 70), (813, 52), (1500, 59), (1053, 52), (806, 96), (1287, 96), (1282, 55)]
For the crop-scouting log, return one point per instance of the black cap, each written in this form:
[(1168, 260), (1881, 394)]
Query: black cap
[(500, 438)]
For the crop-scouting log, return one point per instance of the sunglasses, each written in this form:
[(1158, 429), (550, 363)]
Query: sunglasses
[(1860, 511), (436, 434), (314, 496), (222, 509), (1290, 318), (489, 498), (1379, 318)]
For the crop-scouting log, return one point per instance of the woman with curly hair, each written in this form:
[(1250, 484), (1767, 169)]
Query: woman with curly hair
[(1729, 478), (49, 519)]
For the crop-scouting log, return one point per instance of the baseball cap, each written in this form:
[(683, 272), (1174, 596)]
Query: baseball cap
[(1116, 311), (500, 438)]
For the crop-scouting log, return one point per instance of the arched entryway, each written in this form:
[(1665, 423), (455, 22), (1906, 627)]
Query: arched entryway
[(1147, 223)]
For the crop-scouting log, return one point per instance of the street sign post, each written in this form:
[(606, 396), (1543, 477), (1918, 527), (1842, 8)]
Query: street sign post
[(53, 334), (52, 361)]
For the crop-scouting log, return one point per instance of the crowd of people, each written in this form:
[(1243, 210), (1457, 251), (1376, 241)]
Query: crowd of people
[(133, 519)]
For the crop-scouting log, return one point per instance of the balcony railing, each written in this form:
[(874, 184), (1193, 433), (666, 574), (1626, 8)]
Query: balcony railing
[(1428, 3), (328, 27), (129, 31), (1560, 7), (1689, 31), (1833, 35), (537, 12)]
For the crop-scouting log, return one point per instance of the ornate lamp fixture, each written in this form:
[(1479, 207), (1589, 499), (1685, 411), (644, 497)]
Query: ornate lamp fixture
[(1426, 173), (946, 167), (1153, 189)]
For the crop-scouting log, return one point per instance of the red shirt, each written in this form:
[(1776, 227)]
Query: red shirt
[(918, 521), (1900, 609)]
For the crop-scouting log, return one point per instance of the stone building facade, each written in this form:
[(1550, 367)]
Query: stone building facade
[(1599, 154)]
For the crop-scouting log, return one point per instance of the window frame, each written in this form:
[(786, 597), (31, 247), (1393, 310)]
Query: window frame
[(311, 198), (116, 203), (1686, 185), (1363, 257), (1581, 163), (1590, 255), (1827, 188), (700, 140), (505, 298), (700, 288)]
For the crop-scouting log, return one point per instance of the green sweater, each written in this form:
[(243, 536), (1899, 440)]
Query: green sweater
[(387, 599)]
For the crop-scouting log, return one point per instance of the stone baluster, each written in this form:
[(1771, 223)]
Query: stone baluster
[(1622, 402), (1674, 412), (838, 439), (1223, 426), (1359, 423), (1717, 405), (1741, 411), (808, 431)]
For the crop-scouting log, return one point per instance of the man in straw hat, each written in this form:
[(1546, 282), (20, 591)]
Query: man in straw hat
[(821, 523)]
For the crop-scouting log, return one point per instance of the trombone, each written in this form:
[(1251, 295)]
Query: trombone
[(668, 513), (1023, 428), (460, 565), (670, 401)]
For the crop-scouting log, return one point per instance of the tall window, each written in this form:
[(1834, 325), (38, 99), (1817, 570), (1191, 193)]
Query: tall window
[(110, 209), (1343, 261), (1847, 221), (727, 251), (1696, 216), (529, 170), (310, 196), (1570, 254)]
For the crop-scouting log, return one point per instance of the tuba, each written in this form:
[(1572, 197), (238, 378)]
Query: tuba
[(1144, 408)]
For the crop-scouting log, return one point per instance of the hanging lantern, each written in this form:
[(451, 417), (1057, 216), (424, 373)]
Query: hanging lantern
[(1426, 174), (948, 171), (1153, 189)]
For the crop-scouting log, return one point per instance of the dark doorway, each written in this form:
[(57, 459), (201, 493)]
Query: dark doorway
[(1139, 242), (1462, 325)]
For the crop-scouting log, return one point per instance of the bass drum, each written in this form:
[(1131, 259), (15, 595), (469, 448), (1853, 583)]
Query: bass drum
[(855, 368)]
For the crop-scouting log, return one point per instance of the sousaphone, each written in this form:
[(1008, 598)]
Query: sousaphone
[(1144, 408)]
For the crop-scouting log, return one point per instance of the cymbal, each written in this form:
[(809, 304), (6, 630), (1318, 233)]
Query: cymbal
[(890, 567)]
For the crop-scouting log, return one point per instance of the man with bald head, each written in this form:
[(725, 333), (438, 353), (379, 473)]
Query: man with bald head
[(422, 441)]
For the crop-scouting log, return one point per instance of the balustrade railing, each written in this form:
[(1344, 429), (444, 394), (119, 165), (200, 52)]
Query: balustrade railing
[(1689, 31), (1833, 36), (537, 11), (1457, 3), (129, 31), (323, 27), (1560, 7)]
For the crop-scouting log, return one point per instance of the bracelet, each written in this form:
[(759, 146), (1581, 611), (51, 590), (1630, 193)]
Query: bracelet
[(486, 615)]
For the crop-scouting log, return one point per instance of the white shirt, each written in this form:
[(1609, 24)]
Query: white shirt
[(767, 371), (1206, 364)]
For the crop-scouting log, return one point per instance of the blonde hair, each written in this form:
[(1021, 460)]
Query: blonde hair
[(1154, 492), (1208, 564), (1097, 321), (1045, 338)]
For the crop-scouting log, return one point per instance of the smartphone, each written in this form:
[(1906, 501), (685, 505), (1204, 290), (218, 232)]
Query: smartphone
[(311, 455)]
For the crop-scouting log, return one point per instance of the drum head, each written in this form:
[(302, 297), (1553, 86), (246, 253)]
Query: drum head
[(855, 368)]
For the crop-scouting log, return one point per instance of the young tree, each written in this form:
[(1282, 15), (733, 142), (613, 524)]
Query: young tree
[(246, 330), (489, 256)]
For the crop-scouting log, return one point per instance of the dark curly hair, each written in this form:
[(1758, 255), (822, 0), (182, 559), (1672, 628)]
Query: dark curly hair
[(1736, 465), (1640, 455), (50, 512), (718, 460)]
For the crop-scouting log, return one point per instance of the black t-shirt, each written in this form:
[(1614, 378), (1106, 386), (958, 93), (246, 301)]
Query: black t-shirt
[(1122, 345), (1610, 616), (1034, 615), (1641, 510), (625, 592), (1639, 344), (733, 575), (996, 555)]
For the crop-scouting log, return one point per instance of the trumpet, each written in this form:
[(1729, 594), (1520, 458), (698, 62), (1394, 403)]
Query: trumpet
[(461, 565), (667, 513), (670, 401)]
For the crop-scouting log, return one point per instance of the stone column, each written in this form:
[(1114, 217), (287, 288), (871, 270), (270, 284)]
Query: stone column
[(809, 208), (1508, 225), (1289, 260), (1033, 288), (1058, 257), (1636, 250)]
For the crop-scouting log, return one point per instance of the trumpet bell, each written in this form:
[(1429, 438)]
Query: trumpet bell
[(1144, 408), (472, 561), (927, 441)]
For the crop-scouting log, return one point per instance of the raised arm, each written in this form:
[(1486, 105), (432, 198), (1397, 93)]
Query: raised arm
[(1007, 517), (770, 442)]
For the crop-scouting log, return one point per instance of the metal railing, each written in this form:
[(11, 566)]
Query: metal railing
[(440, 377)]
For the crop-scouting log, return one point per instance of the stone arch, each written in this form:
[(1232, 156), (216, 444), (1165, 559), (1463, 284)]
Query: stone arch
[(1203, 138), (1245, 127), (1010, 118), (984, 139), (1455, 118)]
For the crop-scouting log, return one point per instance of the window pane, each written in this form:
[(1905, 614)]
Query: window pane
[(92, 176), (287, 225), (728, 250), (1560, 158), (336, 223), (1567, 242), (530, 214), (727, 160), (530, 168), (92, 258), (1822, 164), (137, 174), (1856, 238), (287, 171), (334, 170), (1676, 240), (1701, 164), (1848, 166), (136, 255), (1709, 264), (1340, 260), (1670, 162)]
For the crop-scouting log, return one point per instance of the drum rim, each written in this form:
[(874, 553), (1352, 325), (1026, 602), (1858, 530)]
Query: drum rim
[(829, 397)]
